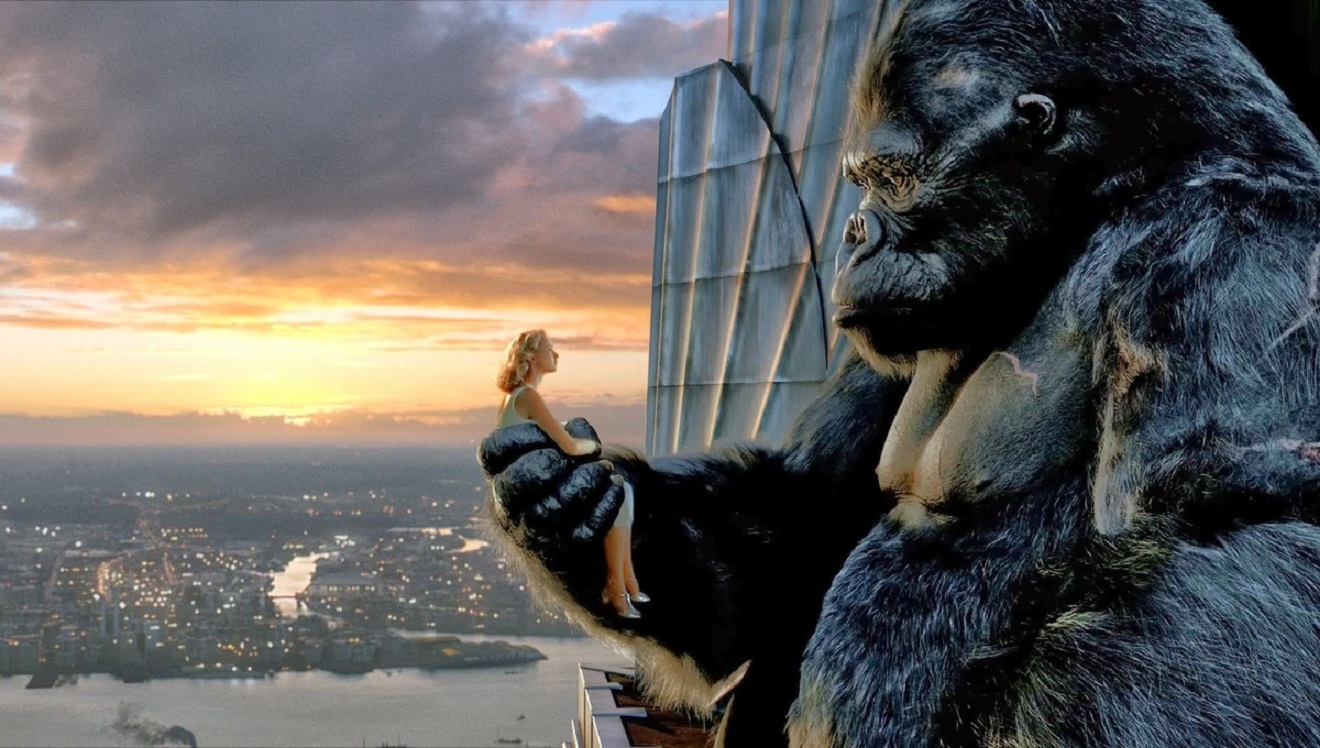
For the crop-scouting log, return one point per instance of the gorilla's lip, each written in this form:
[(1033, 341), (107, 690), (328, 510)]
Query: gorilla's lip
[(857, 316)]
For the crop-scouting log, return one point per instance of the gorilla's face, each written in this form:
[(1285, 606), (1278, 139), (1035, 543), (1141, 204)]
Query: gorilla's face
[(958, 167)]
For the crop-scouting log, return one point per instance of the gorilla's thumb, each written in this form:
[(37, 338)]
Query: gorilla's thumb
[(579, 428)]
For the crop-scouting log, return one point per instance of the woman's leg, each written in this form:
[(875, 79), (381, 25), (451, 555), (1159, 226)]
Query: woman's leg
[(624, 523), (615, 573), (629, 576), (629, 573), (615, 592)]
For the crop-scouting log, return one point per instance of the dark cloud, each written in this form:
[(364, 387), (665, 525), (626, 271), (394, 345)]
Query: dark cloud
[(599, 136), (160, 118), (296, 141), (551, 220), (639, 45)]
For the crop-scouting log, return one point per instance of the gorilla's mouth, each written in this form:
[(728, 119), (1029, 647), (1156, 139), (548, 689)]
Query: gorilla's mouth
[(851, 316), (890, 329)]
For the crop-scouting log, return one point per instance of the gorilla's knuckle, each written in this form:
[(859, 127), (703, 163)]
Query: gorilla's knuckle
[(584, 483), (506, 445), (580, 428), (538, 468)]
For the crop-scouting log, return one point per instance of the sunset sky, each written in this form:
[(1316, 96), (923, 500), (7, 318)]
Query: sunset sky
[(262, 220)]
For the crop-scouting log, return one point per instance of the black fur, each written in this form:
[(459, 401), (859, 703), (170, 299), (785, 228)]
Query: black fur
[(1103, 484)]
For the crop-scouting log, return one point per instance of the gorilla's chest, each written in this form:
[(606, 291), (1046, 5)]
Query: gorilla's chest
[(1005, 425)]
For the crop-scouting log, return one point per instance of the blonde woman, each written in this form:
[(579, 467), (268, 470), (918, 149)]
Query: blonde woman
[(529, 358)]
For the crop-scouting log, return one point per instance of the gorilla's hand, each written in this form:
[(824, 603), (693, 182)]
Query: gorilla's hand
[(543, 496)]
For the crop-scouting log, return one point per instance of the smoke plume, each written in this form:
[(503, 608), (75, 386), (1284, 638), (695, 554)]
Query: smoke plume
[(132, 725)]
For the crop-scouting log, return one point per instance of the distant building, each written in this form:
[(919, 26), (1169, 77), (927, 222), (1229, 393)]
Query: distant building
[(343, 585)]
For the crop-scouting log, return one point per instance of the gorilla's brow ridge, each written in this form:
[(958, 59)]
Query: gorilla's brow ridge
[(861, 163)]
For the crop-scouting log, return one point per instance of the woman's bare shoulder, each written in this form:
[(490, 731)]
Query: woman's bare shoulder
[(527, 401)]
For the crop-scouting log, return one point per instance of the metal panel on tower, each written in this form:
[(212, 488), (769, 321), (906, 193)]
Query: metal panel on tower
[(749, 189)]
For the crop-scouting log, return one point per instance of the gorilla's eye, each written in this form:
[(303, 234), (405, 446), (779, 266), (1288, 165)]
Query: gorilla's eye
[(1038, 111), (882, 176), (900, 184)]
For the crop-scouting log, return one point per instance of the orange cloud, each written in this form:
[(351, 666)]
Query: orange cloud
[(49, 322), (626, 203), (368, 301), (304, 336)]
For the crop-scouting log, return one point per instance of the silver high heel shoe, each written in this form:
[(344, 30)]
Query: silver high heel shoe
[(639, 596), (627, 611)]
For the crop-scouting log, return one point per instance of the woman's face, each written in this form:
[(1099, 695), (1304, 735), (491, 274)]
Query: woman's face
[(547, 358)]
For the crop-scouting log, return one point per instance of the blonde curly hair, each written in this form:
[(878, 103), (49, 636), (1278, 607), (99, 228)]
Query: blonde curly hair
[(518, 360)]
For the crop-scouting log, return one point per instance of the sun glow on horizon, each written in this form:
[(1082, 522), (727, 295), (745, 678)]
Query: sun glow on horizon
[(295, 370), (393, 338)]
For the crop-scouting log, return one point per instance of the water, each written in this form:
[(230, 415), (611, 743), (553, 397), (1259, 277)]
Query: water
[(295, 578), (442, 708)]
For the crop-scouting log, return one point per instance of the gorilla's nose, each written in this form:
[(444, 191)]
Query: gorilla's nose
[(863, 234)]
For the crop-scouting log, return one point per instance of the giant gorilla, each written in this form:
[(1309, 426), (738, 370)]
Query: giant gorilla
[(1061, 491)]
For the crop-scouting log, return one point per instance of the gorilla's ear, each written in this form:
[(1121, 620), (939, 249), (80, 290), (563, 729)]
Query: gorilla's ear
[(1037, 112)]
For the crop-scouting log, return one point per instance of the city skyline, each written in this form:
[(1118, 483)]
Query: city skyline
[(223, 222)]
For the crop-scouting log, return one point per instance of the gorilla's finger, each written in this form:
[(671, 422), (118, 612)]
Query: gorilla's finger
[(530, 478), (579, 428), (582, 488), (504, 445), (600, 516), (545, 507)]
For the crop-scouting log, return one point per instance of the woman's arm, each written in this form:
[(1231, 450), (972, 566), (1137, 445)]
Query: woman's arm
[(530, 404)]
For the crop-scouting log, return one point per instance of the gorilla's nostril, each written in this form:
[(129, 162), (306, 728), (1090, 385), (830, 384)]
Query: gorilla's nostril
[(854, 231), (872, 232), (863, 234)]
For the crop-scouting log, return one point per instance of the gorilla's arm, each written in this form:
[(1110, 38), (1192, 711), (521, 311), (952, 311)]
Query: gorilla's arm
[(736, 547), (743, 536), (1209, 352)]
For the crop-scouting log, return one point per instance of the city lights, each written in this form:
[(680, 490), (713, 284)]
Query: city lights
[(175, 591)]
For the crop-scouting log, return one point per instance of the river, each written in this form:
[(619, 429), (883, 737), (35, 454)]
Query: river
[(293, 580), (439, 708)]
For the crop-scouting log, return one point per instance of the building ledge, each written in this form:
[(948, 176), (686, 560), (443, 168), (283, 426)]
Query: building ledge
[(612, 714)]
